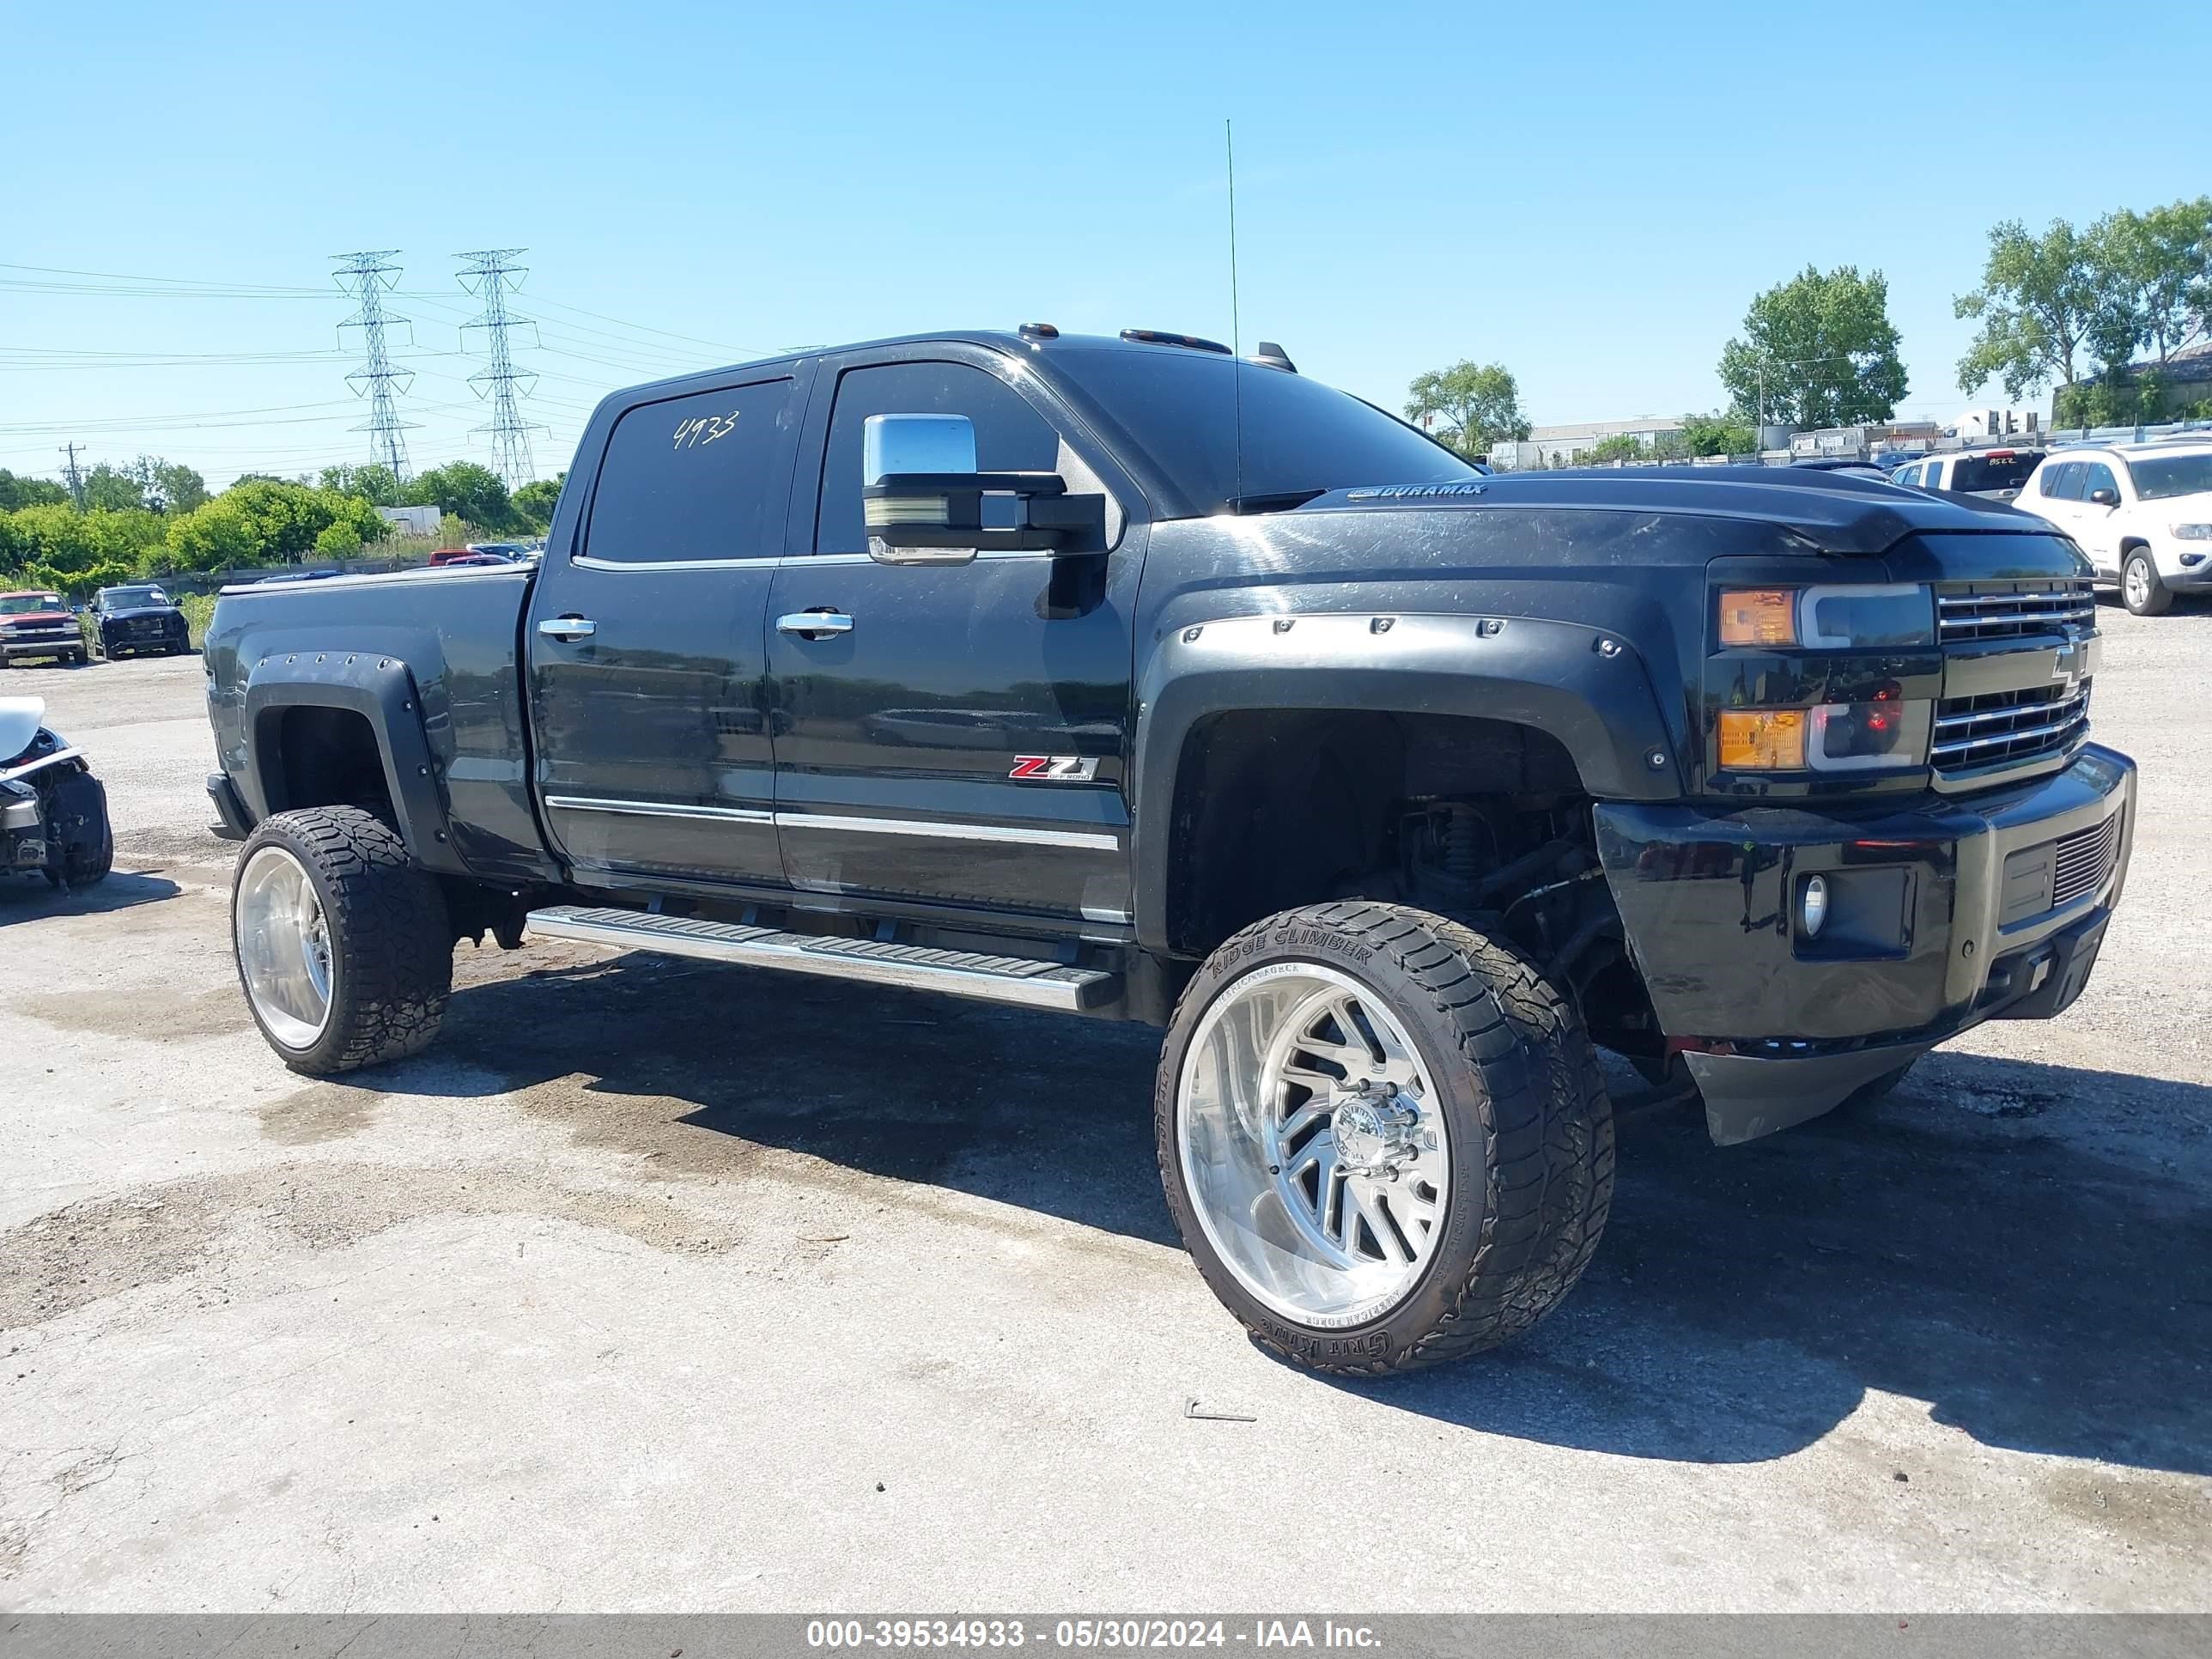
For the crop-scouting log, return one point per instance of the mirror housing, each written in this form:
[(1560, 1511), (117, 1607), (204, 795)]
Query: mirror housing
[(923, 498), (2105, 497)]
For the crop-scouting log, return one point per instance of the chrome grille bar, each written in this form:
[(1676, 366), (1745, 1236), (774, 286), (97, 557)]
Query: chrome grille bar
[(2020, 726), (2082, 861), (1963, 616)]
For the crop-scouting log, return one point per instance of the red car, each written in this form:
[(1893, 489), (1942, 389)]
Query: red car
[(37, 623)]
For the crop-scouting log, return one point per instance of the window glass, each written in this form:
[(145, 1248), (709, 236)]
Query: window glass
[(1011, 435), (2065, 482), (2159, 476), (1991, 471), (1187, 409), (2097, 476), (694, 478)]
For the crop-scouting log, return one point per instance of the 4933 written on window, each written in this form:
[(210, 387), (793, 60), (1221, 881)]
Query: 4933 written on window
[(694, 478)]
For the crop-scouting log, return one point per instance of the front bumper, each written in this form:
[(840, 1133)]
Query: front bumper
[(1940, 916), (22, 828), (56, 642)]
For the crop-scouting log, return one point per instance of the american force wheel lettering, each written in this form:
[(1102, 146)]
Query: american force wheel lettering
[(1383, 1137), (344, 945)]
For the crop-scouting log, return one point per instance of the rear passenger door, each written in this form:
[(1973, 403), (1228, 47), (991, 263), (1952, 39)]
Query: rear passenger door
[(2056, 497), (645, 643)]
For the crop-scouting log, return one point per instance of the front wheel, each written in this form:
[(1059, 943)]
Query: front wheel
[(1384, 1137), (344, 946), (2141, 590)]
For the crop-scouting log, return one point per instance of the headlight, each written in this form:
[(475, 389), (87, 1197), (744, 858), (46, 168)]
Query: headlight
[(2191, 532), (1833, 736), (1829, 618)]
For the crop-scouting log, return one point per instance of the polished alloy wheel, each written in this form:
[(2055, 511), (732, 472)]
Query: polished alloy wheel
[(1314, 1152), (283, 947), (2138, 581)]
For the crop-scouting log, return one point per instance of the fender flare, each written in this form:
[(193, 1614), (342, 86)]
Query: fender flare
[(1585, 687), (382, 690)]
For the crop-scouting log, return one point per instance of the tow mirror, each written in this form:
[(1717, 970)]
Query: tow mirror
[(925, 502), (2105, 497)]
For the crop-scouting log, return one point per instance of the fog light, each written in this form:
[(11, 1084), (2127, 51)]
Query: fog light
[(1812, 906)]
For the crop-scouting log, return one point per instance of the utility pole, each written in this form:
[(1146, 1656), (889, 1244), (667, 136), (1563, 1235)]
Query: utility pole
[(74, 477), (491, 274), (369, 276)]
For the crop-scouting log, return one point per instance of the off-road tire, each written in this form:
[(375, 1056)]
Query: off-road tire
[(391, 947), (1529, 1125), (2158, 597)]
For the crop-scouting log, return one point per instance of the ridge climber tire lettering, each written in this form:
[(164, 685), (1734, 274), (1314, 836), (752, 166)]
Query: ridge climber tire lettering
[(1384, 1137), (344, 946)]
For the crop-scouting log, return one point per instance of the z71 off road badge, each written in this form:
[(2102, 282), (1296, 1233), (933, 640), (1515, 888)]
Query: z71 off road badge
[(1056, 768)]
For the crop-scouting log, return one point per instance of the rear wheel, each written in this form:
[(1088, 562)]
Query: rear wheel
[(1382, 1136), (342, 945), (2141, 588)]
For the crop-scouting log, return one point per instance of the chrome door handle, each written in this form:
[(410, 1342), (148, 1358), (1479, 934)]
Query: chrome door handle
[(812, 624), (568, 628)]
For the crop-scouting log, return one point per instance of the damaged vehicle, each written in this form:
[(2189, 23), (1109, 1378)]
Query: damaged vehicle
[(53, 813)]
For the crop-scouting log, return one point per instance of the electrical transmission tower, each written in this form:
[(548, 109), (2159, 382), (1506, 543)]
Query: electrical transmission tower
[(492, 274), (369, 276)]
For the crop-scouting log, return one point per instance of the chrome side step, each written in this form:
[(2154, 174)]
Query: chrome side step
[(913, 967)]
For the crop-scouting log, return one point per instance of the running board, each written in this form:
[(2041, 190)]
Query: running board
[(911, 967)]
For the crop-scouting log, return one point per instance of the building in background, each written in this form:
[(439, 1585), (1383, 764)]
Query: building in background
[(412, 520)]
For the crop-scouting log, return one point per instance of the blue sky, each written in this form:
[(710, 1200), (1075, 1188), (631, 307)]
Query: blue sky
[(1590, 194)]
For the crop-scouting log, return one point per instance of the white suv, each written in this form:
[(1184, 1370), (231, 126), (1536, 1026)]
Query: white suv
[(2141, 512)]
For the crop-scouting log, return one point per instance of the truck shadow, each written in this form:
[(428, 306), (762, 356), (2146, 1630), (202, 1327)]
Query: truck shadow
[(1966, 1244)]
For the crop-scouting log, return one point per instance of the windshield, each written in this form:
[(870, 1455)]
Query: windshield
[(1180, 407), (2160, 476), (122, 598), (1992, 472), (23, 604)]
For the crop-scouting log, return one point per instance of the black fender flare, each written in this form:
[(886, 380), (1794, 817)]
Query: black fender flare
[(1582, 685), (381, 689)]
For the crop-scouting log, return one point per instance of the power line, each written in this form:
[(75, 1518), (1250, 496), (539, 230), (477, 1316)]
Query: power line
[(495, 272), (370, 275)]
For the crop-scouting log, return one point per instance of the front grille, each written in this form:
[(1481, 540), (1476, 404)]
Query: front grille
[(2040, 608), (2008, 726), (2080, 861)]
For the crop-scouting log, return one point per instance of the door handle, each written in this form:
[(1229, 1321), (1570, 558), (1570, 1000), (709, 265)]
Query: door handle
[(568, 628), (814, 624)]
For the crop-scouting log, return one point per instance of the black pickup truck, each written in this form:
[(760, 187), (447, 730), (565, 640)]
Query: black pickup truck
[(1128, 677)]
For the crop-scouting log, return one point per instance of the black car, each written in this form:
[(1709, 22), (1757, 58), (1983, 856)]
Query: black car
[(130, 620)]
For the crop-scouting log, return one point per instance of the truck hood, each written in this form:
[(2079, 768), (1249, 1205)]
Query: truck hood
[(138, 610), (42, 617), (1835, 514), (20, 720)]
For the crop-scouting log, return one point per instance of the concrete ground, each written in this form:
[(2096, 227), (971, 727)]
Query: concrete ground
[(664, 1287)]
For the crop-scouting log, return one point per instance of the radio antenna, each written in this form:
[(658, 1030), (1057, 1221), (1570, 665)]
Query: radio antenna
[(1236, 320)]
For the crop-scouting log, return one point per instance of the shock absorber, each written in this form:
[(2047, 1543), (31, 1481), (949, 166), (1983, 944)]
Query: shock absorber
[(1460, 825)]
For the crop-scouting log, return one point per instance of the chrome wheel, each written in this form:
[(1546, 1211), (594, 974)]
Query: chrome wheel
[(283, 947), (1312, 1145), (2137, 578)]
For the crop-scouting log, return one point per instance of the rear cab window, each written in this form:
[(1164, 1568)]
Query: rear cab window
[(1973, 472), (696, 478)]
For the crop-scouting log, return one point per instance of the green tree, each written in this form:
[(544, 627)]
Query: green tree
[(1621, 447), (177, 487), (1818, 350), (535, 500), (1480, 403), (1715, 434), (462, 489), (373, 484), (2036, 305), (111, 489), (17, 492)]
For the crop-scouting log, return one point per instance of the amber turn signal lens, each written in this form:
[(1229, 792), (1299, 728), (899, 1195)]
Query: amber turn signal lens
[(1762, 740), (1758, 616)]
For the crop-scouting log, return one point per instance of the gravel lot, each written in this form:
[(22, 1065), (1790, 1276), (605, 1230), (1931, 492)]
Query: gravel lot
[(665, 1287)]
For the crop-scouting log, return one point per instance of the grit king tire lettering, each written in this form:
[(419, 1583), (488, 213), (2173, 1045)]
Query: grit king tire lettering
[(391, 947), (1530, 1130)]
